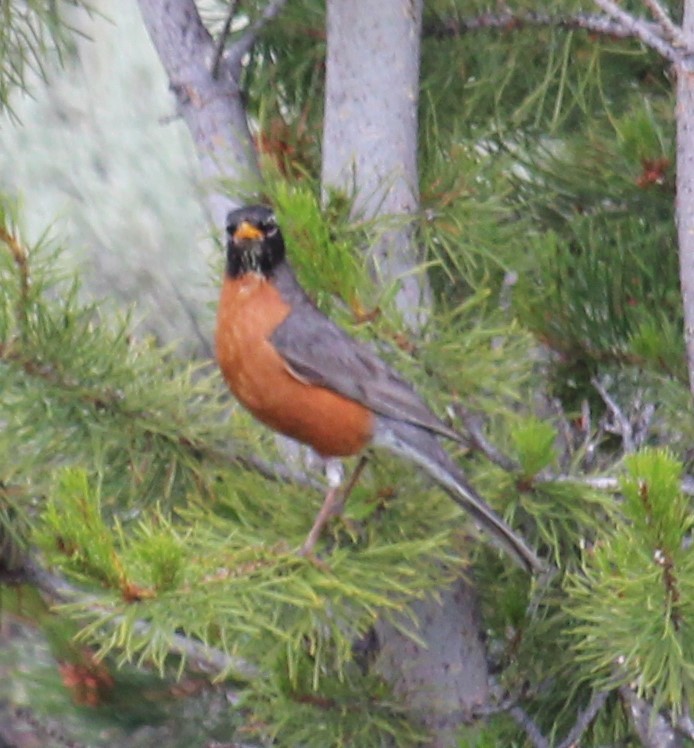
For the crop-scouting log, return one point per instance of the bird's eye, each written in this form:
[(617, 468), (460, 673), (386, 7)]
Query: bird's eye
[(270, 226), (231, 229)]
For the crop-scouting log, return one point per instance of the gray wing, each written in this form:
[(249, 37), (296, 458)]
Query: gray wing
[(322, 353)]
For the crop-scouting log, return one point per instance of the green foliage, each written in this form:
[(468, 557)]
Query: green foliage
[(30, 32), (601, 285), (80, 377), (225, 577), (548, 154), (632, 600), (131, 491), (534, 440), (353, 711), (75, 529), (321, 244), (547, 195)]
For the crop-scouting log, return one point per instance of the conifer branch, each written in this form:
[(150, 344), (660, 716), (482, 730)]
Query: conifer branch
[(650, 34), (532, 731), (671, 31), (28, 33), (663, 558), (508, 21), (114, 400), (479, 441), (663, 36), (202, 657)]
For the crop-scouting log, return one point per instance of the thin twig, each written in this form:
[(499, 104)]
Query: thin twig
[(598, 482), (671, 30), (473, 425), (524, 720), (584, 719), (273, 470), (592, 22), (245, 44), (623, 427), (221, 42), (649, 34), (20, 255)]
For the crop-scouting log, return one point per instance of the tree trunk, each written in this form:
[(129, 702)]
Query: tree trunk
[(211, 107), (685, 184), (370, 152), (444, 683), (370, 131)]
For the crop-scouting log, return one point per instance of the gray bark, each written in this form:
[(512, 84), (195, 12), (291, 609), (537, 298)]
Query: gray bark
[(370, 152), (370, 131), (676, 44), (653, 729), (211, 107), (447, 682), (685, 182)]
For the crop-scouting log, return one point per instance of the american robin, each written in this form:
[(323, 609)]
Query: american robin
[(302, 375)]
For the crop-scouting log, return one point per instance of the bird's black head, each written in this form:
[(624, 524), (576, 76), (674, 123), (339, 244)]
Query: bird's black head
[(254, 241)]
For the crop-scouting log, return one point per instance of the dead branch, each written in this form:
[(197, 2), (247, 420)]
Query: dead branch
[(622, 426)]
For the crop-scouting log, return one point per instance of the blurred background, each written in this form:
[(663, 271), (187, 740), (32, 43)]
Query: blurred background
[(112, 175)]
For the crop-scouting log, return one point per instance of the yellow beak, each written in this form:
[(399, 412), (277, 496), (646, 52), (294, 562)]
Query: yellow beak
[(247, 230)]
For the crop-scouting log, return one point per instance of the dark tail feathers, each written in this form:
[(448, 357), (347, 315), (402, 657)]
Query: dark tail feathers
[(423, 448)]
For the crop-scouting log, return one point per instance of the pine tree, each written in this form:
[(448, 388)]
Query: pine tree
[(166, 520)]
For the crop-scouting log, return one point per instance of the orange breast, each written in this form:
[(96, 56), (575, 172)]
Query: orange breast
[(250, 309)]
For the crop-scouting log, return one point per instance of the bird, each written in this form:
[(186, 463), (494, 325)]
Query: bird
[(302, 375)]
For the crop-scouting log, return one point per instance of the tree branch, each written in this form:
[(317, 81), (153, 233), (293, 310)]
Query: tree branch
[(623, 426), (592, 22), (479, 441), (203, 657), (616, 23), (584, 719), (652, 728), (670, 30), (473, 425), (532, 731), (221, 42), (211, 106), (245, 44), (649, 34)]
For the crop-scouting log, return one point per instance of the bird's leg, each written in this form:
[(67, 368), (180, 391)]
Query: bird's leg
[(334, 501)]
